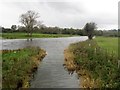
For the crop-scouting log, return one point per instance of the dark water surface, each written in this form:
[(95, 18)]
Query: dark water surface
[(50, 73)]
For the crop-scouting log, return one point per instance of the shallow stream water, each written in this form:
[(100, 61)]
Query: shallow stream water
[(50, 73)]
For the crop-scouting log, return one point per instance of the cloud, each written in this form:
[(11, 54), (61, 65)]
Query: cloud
[(66, 7), (63, 13)]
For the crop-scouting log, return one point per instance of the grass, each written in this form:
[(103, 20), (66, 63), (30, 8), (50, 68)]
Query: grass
[(35, 35), (98, 66), (109, 43), (18, 66)]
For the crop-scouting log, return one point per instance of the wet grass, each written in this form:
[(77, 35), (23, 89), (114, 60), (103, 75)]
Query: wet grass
[(35, 35), (19, 65), (98, 66)]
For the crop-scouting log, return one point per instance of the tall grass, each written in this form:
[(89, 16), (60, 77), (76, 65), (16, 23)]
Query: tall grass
[(101, 65), (18, 66)]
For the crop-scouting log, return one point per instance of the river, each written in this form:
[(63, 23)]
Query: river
[(50, 73)]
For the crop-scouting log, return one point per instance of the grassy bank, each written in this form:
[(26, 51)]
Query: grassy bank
[(95, 66), (35, 35), (19, 65)]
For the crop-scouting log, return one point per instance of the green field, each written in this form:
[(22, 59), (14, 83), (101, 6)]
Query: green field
[(97, 60), (35, 35), (109, 43), (19, 65)]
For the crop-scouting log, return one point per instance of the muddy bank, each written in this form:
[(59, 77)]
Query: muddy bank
[(19, 66)]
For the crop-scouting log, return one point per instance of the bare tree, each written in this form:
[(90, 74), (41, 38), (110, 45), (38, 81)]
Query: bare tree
[(29, 20), (89, 29)]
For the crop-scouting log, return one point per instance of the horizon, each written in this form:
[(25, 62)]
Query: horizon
[(63, 28)]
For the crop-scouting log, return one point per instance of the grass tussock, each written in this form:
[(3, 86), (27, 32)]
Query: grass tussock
[(19, 65), (96, 67)]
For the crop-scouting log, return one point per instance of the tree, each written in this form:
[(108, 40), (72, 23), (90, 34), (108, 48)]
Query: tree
[(13, 27), (29, 20), (89, 29), (21, 29)]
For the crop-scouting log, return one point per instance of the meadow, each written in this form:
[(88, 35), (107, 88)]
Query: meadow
[(96, 62), (34, 35), (108, 43), (19, 65)]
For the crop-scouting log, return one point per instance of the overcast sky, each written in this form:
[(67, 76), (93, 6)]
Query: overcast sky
[(62, 13)]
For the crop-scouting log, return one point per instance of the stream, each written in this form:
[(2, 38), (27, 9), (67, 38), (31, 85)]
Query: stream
[(50, 73)]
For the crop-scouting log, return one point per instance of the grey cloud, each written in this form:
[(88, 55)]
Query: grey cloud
[(119, 14), (66, 7), (62, 14)]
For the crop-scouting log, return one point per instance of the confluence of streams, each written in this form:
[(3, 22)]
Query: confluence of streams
[(50, 73)]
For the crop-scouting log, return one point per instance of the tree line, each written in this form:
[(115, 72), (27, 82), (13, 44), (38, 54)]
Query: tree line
[(30, 24), (57, 30)]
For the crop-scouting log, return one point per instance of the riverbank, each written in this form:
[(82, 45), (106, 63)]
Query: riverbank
[(35, 35), (19, 65), (95, 66)]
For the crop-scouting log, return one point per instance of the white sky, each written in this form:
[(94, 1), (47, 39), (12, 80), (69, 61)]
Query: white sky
[(62, 13)]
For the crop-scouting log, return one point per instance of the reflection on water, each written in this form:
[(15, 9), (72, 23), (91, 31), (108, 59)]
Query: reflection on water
[(50, 73)]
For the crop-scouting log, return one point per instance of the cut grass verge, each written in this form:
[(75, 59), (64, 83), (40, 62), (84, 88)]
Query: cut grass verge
[(19, 65), (96, 67)]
